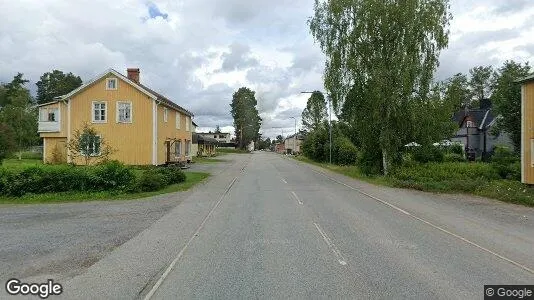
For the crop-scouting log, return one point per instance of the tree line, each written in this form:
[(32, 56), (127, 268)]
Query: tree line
[(381, 57), (18, 111)]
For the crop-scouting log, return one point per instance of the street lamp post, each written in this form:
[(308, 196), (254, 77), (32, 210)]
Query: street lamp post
[(329, 123)]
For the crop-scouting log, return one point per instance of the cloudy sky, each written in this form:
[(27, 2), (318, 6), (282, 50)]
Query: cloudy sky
[(198, 52)]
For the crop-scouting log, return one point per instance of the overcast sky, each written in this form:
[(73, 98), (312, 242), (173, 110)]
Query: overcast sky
[(198, 52)]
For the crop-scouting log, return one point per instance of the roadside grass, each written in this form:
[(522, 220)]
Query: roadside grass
[(449, 178), (192, 178)]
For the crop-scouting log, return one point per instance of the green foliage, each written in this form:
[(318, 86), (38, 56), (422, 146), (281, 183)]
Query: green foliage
[(88, 144), (457, 92), (114, 175), (315, 146), (151, 180), (11, 90), (480, 82), (315, 112), (7, 141), (507, 99), (456, 149), (344, 152), (383, 53), (172, 175), (426, 154), (453, 157), (56, 83), (247, 121), (442, 172), (507, 164)]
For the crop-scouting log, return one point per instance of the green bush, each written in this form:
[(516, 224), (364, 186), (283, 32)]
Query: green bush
[(114, 175), (453, 157), (172, 175), (506, 163), (151, 180), (369, 162), (425, 154), (456, 149), (344, 152)]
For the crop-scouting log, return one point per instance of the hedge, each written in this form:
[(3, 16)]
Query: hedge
[(109, 176)]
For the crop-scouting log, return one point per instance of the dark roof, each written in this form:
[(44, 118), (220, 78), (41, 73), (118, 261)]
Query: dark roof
[(525, 79), (300, 136), (481, 117), (206, 140), (194, 124), (166, 101)]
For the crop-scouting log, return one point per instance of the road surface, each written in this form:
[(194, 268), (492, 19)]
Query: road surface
[(269, 227)]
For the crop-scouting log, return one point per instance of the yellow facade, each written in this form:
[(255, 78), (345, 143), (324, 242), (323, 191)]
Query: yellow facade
[(132, 142), (527, 132)]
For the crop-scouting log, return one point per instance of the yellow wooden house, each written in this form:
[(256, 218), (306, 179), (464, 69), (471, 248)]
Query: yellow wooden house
[(527, 129), (140, 125)]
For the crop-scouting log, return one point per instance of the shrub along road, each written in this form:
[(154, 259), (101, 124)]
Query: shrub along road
[(269, 227)]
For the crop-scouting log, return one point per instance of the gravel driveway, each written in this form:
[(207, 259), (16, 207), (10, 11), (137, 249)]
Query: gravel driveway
[(42, 241)]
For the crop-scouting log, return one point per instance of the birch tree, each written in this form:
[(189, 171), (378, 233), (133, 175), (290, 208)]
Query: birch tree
[(385, 51)]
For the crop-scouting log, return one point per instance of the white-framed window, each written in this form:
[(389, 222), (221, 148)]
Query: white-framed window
[(93, 148), (100, 112), (187, 123), (48, 114), (187, 148), (470, 124), (178, 148), (111, 83), (165, 114), (178, 121), (124, 112)]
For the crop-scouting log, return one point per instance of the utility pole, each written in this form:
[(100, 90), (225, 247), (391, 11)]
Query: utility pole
[(329, 123)]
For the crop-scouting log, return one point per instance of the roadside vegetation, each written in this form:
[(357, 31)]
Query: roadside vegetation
[(230, 150), (39, 183)]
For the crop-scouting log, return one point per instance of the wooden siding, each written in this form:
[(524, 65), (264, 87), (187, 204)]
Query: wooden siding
[(62, 117), (527, 132), (52, 145), (167, 132), (132, 142)]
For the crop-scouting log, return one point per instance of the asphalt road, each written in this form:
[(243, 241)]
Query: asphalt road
[(269, 227)]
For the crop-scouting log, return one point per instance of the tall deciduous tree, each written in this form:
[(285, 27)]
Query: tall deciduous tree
[(457, 92), (7, 141), (507, 99), (315, 112), (10, 90), (56, 83), (480, 82), (386, 52), (247, 121)]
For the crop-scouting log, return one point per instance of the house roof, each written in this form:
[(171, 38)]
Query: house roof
[(142, 88), (482, 117), (525, 79), (300, 136)]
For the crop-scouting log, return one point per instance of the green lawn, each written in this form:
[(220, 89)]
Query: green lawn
[(192, 178), (14, 163), (504, 190)]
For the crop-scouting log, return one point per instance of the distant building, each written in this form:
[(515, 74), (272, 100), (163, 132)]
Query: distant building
[(221, 137), (280, 147), (293, 143), (474, 131)]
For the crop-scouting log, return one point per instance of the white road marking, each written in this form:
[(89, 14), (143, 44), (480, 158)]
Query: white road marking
[(181, 253), (331, 245), (431, 224), (296, 197), (283, 180)]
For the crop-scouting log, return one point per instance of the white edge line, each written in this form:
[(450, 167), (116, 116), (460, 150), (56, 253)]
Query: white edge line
[(181, 253), (283, 180), (296, 197), (431, 224), (331, 245)]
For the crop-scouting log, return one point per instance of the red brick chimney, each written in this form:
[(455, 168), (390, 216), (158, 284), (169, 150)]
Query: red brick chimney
[(133, 74)]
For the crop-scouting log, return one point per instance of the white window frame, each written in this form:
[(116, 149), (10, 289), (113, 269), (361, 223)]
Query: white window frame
[(48, 110), (116, 84), (106, 115), (467, 123), (165, 114), (187, 148), (187, 123), (118, 112), (178, 120)]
